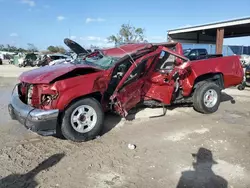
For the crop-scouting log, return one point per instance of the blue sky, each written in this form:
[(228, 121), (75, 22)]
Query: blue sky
[(48, 22)]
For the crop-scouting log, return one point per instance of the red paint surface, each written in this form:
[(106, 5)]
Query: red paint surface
[(46, 74), (152, 85), (125, 49)]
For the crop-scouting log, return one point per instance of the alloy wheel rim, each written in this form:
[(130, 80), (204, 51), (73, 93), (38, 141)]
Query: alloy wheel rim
[(210, 98), (83, 119)]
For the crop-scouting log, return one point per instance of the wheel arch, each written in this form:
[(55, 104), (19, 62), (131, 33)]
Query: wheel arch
[(96, 95), (217, 78)]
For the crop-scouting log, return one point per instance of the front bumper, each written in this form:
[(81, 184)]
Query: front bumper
[(43, 122)]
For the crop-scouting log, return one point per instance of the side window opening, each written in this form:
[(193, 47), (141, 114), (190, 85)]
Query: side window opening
[(202, 52), (166, 61), (117, 75), (138, 72)]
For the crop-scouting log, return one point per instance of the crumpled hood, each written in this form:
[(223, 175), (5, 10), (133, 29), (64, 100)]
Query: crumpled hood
[(47, 74)]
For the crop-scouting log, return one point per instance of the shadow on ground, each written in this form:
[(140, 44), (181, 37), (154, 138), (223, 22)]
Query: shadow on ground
[(202, 175), (225, 98), (28, 180), (112, 120)]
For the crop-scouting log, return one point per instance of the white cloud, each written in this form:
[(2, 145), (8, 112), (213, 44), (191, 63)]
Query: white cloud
[(97, 41), (72, 37), (104, 45), (92, 38), (29, 2), (60, 18), (88, 20), (13, 35)]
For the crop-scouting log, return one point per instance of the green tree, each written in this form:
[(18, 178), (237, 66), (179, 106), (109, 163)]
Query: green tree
[(56, 49), (52, 49), (9, 48), (1, 46), (61, 49), (21, 50), (32, 47), (128, 34)]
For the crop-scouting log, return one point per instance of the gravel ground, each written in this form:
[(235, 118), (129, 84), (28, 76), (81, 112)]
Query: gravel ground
[(10, 71), (162, 157)]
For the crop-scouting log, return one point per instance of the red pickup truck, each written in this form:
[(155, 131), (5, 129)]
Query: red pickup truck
[(72, 98)]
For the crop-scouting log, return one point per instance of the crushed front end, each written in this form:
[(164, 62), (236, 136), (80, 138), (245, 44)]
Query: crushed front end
[(31, 105)]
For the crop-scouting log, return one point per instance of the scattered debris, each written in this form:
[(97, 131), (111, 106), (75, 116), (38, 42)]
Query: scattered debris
[(131, 146)]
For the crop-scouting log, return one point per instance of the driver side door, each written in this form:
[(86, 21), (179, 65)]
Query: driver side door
[(129, 91)]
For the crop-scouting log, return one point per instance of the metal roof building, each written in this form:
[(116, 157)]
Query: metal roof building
[(212, 33)]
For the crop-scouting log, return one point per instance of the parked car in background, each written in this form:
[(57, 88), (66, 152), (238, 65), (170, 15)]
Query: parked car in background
[(71, 98), (199, 53), (247, 75), (245, 59), (50, 59), (1, 58), (27, 59), (79, 53)]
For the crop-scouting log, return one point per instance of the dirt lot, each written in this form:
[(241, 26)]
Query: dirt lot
[(162, 157), (7, 70)]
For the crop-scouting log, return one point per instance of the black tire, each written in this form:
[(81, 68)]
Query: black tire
[(248, 84), (70, 133), (32, 64), (241, 87), (198, 98)]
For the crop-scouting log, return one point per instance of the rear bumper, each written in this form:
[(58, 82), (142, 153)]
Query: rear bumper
[(43, 122)]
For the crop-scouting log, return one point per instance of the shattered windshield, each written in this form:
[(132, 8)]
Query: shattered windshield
[(104, 62)]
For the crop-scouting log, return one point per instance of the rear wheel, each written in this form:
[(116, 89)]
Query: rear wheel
[(83, 120), (241, 87), (206, 98)]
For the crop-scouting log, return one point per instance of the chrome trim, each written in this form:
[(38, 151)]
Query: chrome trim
[(38, 114)]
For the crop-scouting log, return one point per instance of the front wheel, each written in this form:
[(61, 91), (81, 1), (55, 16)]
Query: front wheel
[(82, 120), (207, 97)]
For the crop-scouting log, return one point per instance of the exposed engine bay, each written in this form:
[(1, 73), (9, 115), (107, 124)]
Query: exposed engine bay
[(39, 96)]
